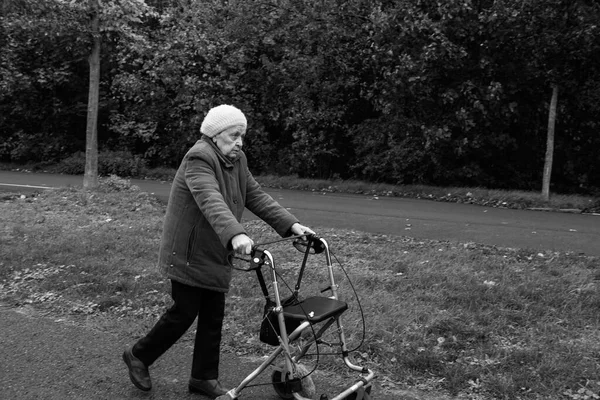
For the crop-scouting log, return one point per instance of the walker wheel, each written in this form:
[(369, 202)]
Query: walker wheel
[(285, 390), (361, 394), (280, 387)]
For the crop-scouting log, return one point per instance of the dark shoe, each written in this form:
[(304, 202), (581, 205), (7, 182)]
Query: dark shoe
[(211, 387), (138, 372)]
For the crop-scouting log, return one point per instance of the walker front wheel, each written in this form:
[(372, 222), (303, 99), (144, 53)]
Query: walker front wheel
[(361, 394)]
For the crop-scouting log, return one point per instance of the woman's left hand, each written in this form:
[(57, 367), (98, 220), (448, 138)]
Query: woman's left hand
[(298, 230)]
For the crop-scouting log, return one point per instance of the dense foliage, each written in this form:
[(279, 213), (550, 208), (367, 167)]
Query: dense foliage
[(446, 93)]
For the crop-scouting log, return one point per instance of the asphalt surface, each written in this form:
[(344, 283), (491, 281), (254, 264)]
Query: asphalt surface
[(425, 219)]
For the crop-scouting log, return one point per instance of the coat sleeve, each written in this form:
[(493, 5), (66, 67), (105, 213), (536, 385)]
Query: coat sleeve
[(266, 208), (201, 179)]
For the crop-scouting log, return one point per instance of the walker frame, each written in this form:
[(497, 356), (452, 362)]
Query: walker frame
[(309, 312)]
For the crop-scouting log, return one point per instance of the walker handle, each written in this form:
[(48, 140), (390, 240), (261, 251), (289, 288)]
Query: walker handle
[(255, 260), (312, 241)]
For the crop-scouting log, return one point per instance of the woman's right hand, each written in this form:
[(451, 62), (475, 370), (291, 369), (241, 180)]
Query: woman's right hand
[(242, 244)]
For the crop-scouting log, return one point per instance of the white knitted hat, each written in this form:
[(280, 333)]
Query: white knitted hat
[(220, 118)]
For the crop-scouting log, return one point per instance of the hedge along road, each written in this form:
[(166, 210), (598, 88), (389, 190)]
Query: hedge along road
[(535, 230)]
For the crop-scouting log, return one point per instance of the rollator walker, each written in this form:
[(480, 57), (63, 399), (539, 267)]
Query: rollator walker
[(294, 325)]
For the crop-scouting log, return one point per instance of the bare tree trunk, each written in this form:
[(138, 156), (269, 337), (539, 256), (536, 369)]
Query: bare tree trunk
[(550, 144), (90, 178)]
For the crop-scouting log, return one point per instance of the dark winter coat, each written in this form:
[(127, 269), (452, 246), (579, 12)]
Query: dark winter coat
[(207, 199)]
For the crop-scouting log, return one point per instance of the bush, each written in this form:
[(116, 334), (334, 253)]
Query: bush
[(116, 184), (72, 165), (120, 163)]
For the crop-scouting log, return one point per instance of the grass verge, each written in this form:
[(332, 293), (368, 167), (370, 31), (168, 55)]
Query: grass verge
[(462, 319), (516, 199)]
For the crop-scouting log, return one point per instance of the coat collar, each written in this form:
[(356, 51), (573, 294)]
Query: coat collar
[(226, 161)]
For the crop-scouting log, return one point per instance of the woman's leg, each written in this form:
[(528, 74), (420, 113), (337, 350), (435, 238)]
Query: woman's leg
[(207, 347), (172, 325)]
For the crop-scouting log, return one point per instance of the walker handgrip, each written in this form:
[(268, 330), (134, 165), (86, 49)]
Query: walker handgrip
[(254, 261), (313, 242)]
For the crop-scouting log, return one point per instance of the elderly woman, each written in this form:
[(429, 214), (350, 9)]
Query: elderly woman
[(202, 224)]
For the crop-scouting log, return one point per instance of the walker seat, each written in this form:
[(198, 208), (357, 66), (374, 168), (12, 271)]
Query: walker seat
[(315, 309)]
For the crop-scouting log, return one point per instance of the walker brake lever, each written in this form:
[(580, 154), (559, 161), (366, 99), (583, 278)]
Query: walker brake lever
[(257, 258)]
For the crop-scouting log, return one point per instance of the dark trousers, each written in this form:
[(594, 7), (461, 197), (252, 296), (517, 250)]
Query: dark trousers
[(190, 302)]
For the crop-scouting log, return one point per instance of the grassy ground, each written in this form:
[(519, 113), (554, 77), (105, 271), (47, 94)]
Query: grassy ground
[(461, 319)]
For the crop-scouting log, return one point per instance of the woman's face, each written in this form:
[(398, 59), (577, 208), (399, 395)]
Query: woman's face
[(230, 141)]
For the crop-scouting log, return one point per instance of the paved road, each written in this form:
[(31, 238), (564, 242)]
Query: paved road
[(417, 218)]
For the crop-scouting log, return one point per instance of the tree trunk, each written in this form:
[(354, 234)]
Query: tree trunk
[(90, 178), (550, 144)]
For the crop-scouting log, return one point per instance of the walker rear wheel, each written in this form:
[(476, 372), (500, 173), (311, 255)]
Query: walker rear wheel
[(286, 390), (281, 387)]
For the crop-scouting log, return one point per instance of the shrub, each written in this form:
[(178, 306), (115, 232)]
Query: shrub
[(72, 165), (120, 163), (116, 184)]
